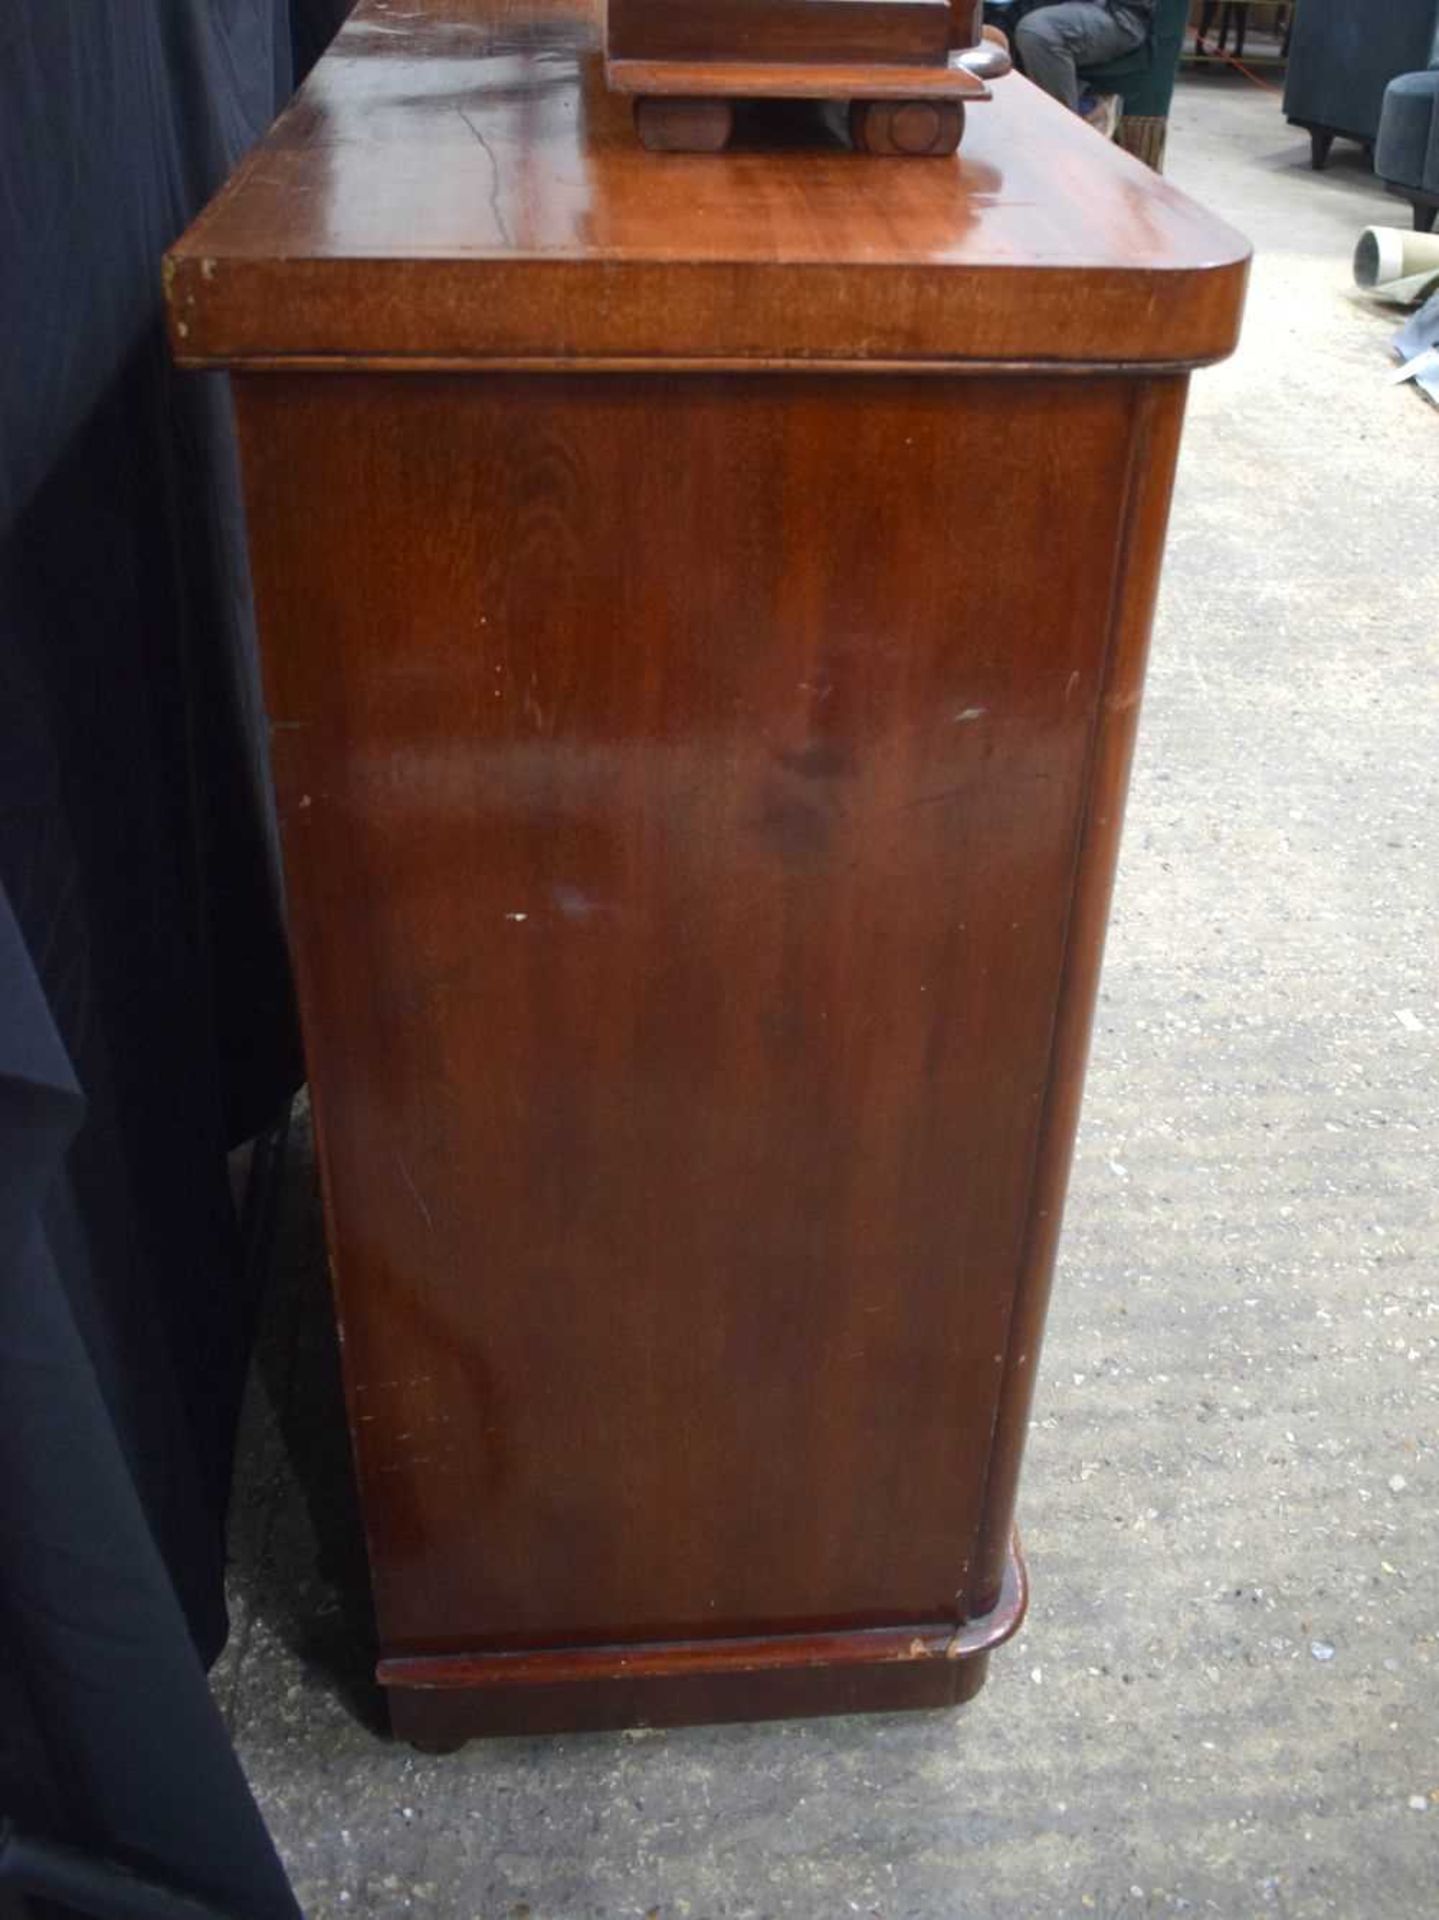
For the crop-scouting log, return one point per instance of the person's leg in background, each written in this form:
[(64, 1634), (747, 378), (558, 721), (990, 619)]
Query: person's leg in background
[(1054, 41)]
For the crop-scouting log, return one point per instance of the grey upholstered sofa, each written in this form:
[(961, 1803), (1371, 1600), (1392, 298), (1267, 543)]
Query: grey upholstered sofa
[(1342, 55), (1406, 154)]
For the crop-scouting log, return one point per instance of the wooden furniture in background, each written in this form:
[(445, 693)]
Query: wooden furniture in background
[(1236, 17), (704, 605)]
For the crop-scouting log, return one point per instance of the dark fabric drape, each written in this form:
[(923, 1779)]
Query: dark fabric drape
[(145, 1013), (113, 1740)]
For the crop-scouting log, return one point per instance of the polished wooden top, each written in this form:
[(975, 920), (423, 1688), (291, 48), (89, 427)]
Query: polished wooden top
[(454, 185)]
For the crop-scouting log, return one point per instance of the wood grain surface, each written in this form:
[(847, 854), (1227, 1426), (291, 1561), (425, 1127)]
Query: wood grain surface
[(455, 183), (776, 80), (681, 784), (907, 32)]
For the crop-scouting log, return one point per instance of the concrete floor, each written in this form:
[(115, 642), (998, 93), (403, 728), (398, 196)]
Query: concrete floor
[(1224, 1701)]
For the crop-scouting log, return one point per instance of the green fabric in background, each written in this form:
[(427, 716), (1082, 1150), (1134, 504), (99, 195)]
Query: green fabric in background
[(1144, 79)]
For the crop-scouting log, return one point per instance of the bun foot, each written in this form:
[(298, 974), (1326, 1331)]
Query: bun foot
[(915, 128), (679, 125), (427, 1721)]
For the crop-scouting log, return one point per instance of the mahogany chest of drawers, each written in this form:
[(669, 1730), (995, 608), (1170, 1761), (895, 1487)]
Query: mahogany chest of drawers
[(704, 604)]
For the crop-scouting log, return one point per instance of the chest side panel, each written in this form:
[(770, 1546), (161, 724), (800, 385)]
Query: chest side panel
[(680, 781)]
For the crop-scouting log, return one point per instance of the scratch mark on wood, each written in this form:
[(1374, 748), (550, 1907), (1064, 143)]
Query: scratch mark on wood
[(419, 1197)]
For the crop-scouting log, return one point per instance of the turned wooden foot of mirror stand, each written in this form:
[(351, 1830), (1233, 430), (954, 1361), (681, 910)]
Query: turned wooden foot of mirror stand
[(912, 129), (673, 124)]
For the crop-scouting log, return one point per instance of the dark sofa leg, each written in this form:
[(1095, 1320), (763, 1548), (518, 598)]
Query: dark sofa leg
[(1424, 217), (1320, 141)]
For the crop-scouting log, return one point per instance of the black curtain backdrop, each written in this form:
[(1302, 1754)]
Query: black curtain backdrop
[(145, 1015)]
